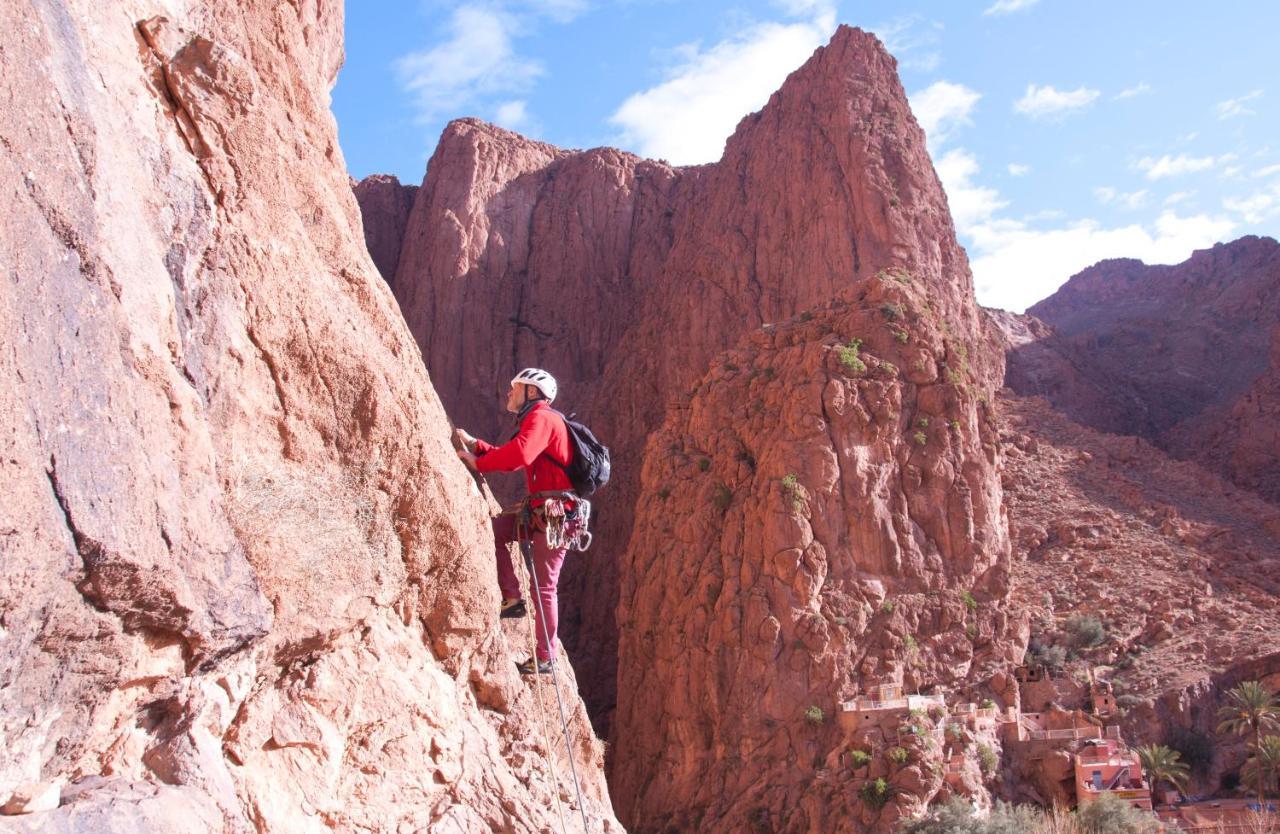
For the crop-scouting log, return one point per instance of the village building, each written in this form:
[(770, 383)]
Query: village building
[(1106, 766)]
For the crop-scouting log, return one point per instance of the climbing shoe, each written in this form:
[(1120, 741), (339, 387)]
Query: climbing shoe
[(532, 666), (512, 608)]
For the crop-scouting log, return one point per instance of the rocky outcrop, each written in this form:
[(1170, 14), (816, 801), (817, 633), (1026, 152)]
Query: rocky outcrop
[(384, 210), (1175, 354), (821, 513), (247, 585), (1179, 567), (626, 277), (1240, 439)]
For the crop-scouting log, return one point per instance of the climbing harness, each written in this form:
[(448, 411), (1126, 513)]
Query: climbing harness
[(561, 526)]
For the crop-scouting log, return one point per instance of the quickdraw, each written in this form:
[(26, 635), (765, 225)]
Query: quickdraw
[(565, 518)]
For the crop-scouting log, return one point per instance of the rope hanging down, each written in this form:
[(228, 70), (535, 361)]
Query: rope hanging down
[(556, 537)]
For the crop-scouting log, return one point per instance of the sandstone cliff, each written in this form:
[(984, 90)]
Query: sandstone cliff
[(246, 584), (384, 208), (626, 276), (1175, 354), (821, 514)]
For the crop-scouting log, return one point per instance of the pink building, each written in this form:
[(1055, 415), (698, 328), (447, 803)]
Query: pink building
[(1107, 766)]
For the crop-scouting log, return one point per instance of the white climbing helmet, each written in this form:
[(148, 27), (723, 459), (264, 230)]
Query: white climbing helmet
[(539, 379)]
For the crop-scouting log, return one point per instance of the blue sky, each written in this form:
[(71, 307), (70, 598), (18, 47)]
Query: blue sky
[(1064, 132)]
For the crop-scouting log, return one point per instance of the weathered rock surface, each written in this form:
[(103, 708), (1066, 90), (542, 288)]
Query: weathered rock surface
[(816, 518), (384, 210), (246, 584), (1175, 354), (626, 277), (1181, 568)]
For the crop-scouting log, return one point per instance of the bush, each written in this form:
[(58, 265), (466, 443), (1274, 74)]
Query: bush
[(1085, 631), (795, 492), (957, 817), (876, 793), (1108, 815), (1050, 657), (704, 464), (849, 357), (859, 758), (887, 606), (898, 755), (900, 335), (814, 715), (892, 312), (969, 602), (920, 438), (987, 759)]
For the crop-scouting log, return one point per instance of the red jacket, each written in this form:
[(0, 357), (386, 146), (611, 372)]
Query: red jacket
[(543, 440)]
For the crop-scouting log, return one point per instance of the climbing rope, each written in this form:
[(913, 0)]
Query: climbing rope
[(542, 710), (556, 537)]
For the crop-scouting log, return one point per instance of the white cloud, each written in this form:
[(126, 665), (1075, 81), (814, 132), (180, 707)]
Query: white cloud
[(1233, 107), (1141, 88), (1016, 264), (1178, 197), (1017, 169), (1269, 171), (475, 61), (807, 8), (912, 41), (1130, 200), (1257, 207), (1043, 102), (513, 115), (1009, 6), (941, 108), (971, 204), (1173, 166), (686, 118)]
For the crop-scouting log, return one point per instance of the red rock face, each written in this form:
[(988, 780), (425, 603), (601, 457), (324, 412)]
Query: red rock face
[(815, 518), (384, 209), (247, 585), (1240, 439), (1178, 355), (1180, 567), (626, 277)]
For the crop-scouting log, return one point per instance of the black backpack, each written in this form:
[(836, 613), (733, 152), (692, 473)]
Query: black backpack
[(589, 469)]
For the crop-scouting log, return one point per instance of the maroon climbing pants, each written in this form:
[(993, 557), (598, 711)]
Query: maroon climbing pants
[(546, 563)]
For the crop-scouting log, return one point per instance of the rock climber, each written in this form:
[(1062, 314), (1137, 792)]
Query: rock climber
[(542, 448)]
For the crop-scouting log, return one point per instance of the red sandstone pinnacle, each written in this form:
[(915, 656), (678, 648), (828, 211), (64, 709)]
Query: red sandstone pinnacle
[(626, 277), (247, 585), (815, 518)]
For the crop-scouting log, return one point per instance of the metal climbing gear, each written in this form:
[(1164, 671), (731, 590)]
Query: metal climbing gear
[(566, 519)]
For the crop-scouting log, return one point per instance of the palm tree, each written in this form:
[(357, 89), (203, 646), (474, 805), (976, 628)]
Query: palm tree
[(1250, 708), (1161, 764), (1263, 768)]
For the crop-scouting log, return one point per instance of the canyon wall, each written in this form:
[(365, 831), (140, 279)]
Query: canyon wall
[(1181, 355), (246, 585), (822, 232), (625, 277)]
